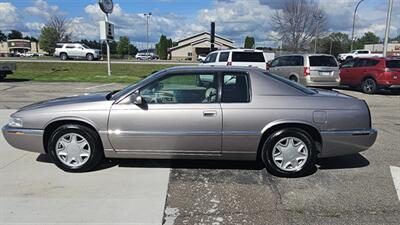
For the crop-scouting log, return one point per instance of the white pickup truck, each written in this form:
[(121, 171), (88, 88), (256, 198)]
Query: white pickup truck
[(358, 54), (76, 51)]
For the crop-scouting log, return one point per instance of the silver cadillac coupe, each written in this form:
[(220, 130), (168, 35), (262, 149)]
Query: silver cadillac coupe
[(228, 113)]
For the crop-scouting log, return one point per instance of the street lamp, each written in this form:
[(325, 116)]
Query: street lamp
[(354, 21), (318, 18), (147, 15), (387, 31)]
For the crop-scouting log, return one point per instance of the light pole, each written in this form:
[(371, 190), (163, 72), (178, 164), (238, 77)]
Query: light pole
[(147, 15), (354, 22), (388, 18), (318, 18)]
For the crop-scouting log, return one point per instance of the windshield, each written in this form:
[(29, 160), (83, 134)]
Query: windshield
[(85, 46), (132, 87), (292, 84)]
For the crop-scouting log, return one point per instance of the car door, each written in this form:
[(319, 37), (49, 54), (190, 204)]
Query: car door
[(275, 66), (235, 101), (346, 71), (180, 115)]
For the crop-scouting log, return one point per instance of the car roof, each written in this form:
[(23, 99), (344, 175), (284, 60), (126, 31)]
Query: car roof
[(307, 54), (214, 68), (238, 50)]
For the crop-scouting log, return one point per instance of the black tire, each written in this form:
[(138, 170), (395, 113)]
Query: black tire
[(89, 57), (93, 139), (349, 57), (63, 56), (272, 140), (294, 79), (369, 86)]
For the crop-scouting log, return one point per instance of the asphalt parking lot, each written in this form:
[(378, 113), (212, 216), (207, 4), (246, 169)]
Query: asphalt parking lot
[(356, 189)]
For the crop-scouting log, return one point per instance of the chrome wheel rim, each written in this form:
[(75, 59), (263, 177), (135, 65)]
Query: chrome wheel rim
[(73, 150), (290, 154), (369, 86)]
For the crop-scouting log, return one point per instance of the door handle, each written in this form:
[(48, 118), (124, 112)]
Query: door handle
[(209, 113)]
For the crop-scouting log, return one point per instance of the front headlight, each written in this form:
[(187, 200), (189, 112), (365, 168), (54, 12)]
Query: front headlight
[(15, 122)]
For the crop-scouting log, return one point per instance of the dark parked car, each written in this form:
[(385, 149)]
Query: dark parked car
[(371, 74)]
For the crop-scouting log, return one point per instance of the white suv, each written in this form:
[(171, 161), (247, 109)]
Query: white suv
[(237, 57), (76, 51)]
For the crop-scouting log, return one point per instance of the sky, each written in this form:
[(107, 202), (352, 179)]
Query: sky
[(177, 19)]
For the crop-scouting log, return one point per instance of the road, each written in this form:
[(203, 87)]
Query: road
[(356, 189), (116, 61)]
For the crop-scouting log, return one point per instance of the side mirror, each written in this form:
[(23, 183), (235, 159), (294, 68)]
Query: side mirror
[(136, 99)]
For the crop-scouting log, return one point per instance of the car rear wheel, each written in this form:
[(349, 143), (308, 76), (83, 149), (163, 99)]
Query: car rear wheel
[(369, 86), (75, 148), (89, 57), (289, 152), (294, 79)]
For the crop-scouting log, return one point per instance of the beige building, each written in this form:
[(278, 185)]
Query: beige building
[(189, 48), (19, 45), (393, 48)]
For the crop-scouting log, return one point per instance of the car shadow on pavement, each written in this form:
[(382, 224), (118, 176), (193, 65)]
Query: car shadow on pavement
[(343, 162), (11, 80), (378, 92)]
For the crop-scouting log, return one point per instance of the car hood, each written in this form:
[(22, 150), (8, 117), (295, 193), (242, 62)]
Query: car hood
[(95, 97)]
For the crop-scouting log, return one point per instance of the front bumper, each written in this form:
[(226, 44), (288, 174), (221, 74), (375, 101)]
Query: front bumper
[(25, 139), (338, 143)]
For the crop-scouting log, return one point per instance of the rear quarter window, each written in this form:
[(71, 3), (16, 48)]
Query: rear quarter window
[(393, 64), (328, 61), (248, 57)]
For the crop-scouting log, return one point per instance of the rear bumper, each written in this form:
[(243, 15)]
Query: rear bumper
[(312, 82), (25, 139), (338, 143)]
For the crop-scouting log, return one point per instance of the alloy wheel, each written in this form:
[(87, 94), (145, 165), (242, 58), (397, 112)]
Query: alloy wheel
[(290, 154)]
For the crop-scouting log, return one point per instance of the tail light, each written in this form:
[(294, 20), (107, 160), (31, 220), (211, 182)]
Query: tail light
[(306, 71), (267, 66), (229, 64)]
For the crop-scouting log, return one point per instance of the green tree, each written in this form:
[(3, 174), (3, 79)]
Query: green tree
[(123, 46), (3, 36), (162, 47), (15, 34), (48, 39), (367, 38), (396, 38), (249, 42), (334, 43)]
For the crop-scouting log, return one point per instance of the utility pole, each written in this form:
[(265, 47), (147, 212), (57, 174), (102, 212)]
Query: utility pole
[(387, 31), (147, 15), (108, 52), (318, 18), (354, 22)]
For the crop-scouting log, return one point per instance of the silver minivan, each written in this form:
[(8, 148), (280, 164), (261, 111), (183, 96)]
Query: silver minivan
[(316, 70)]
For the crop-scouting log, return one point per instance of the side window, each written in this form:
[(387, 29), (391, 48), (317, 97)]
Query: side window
[(182, 88), (211, 58), (70, 46), (223, 56), (275, 62), (371, 62), (362, 52), (361, 63), (235, 88), (348, 64), (248, 57), (284, 61)]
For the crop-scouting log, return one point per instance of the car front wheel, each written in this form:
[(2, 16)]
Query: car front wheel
[(289, 152), (75, 148), (89, 57)]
